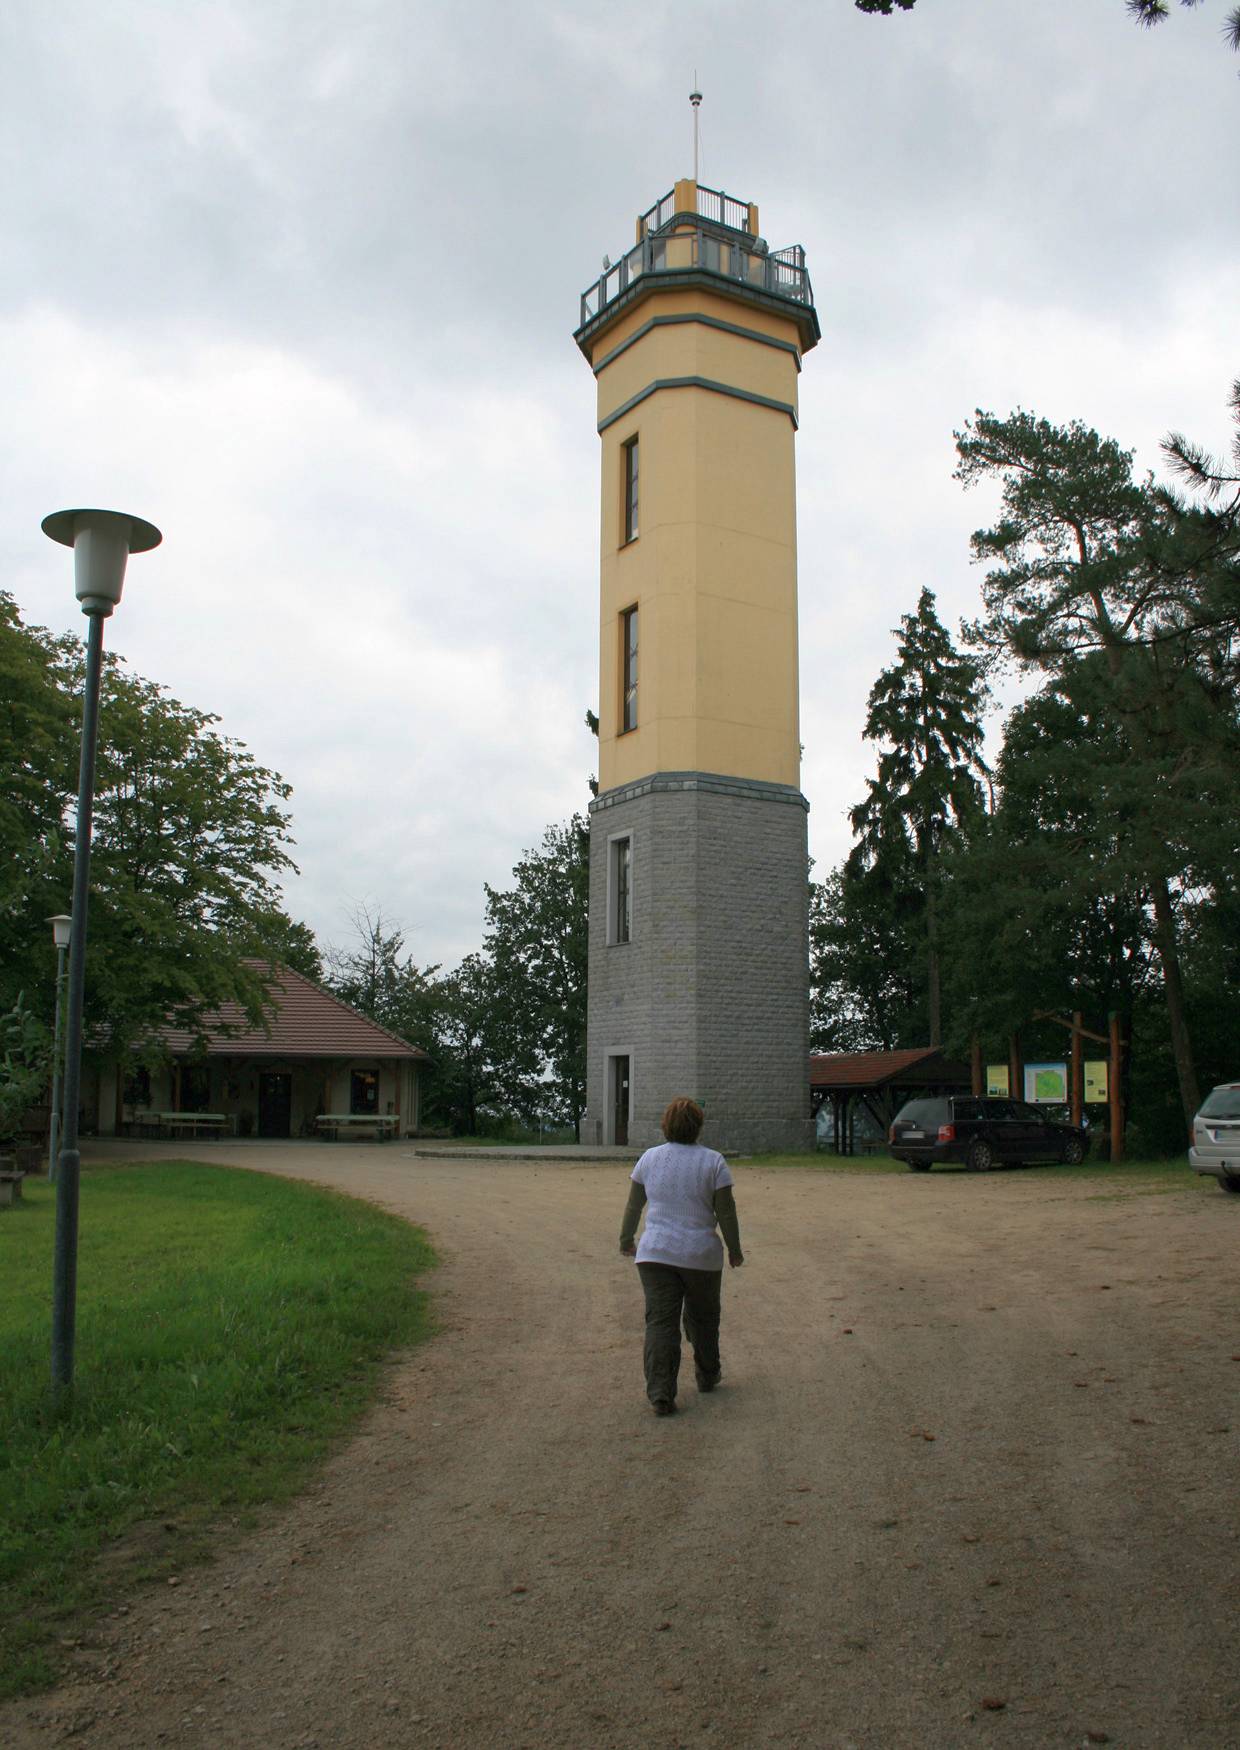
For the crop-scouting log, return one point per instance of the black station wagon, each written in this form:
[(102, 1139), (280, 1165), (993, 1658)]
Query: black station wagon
[(980, 1133)]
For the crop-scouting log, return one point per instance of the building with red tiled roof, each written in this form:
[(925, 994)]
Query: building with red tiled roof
[(314, 1057)]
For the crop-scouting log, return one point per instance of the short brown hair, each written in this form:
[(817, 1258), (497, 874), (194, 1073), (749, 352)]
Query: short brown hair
[(683, 1120)]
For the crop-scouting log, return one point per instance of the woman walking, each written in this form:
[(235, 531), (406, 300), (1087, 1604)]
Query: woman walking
[(685, 1190)]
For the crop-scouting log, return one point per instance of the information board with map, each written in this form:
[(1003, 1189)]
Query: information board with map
[(1046, 1084)]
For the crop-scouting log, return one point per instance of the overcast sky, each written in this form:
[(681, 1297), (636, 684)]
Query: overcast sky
[(298, 281)]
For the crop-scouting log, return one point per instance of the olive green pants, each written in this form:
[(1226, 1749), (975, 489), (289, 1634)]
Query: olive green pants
[(672, 1294)]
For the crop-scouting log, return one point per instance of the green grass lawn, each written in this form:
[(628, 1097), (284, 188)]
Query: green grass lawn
[(230, 1326)]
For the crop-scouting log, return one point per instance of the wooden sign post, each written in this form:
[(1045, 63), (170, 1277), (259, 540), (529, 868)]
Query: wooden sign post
[(1115, 1094)]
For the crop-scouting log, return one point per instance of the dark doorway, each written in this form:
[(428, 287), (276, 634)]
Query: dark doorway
[(195, 1090), (275, 1102), (620, 1101), (138, 1087), (364, 1092)]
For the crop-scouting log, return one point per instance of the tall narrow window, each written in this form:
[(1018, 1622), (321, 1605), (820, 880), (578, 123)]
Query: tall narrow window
[(630, 490), (621, 890), (628, 677)]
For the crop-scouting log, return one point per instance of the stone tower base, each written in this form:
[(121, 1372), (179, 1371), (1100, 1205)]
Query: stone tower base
[(710, 995)]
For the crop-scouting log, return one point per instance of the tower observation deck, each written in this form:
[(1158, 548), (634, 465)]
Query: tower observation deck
[(694, 230)]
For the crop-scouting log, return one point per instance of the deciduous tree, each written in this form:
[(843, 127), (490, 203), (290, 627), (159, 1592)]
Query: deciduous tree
[(537, 938), (374, 974), (190, 836), (506, 1029), (867, 979), (482, 1069)]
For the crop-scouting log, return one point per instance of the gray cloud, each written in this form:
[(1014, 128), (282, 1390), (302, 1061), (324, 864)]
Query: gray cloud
[(299, 284)]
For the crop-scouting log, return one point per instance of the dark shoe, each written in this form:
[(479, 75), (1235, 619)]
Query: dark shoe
[(708, 1381), (664, 1407)]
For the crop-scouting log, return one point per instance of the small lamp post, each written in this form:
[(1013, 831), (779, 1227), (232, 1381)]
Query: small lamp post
[(62, 930), (102, 541)]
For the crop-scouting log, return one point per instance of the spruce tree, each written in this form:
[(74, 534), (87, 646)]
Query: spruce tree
[(924, 712)]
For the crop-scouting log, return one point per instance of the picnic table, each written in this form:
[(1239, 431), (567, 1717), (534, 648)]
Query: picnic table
[(357, 1124), (183, 1123)]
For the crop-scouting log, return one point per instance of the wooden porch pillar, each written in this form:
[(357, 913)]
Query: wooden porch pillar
[(1016, 1080)]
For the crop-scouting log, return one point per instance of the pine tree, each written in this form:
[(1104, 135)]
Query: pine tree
[(1123, 597), (1144, 12)]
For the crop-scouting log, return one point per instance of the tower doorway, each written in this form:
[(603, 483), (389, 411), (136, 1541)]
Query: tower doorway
[(620, 1101)]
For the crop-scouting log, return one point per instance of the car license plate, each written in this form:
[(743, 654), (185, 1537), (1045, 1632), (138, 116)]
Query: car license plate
[(914, 1136)]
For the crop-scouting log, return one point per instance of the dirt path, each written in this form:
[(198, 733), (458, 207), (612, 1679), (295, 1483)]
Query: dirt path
[(971, 1479)]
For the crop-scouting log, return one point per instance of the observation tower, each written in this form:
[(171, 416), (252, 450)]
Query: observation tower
[(698, 980)]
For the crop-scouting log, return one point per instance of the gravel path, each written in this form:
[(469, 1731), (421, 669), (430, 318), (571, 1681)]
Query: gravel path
[(971, 1478)]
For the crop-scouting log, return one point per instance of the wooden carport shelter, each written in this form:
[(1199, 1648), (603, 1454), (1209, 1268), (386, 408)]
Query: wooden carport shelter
[(878, 1083)]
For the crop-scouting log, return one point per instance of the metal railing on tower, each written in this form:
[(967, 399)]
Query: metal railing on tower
[(715, 239)]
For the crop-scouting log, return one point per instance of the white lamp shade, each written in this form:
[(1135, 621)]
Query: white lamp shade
[(102, 541), (62, 929)]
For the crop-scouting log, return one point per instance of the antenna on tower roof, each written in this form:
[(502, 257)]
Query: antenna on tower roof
[(695, 98)]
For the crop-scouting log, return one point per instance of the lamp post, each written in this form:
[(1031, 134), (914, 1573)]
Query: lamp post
[(62, 930), (102, 541)]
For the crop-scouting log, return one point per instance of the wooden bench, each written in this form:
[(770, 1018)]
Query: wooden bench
[(355, 1123)]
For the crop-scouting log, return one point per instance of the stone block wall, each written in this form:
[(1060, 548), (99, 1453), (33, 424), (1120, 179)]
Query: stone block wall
[(710, 997)]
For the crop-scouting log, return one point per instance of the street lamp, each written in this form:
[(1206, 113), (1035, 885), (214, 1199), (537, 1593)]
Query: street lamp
[(62, 930), (102, 541)]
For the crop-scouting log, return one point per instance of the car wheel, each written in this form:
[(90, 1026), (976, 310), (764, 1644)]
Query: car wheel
[(1072, 1151), (1229, 1184), (981, 1157), (918, 1166)]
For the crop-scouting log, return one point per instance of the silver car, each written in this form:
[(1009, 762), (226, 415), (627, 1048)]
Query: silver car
[(1216, 1136)]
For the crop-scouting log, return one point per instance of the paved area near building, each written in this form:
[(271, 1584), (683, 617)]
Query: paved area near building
[(970, 1480)]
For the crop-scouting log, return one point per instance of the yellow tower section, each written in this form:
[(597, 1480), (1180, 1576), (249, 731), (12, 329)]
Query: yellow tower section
[(696, 340)]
